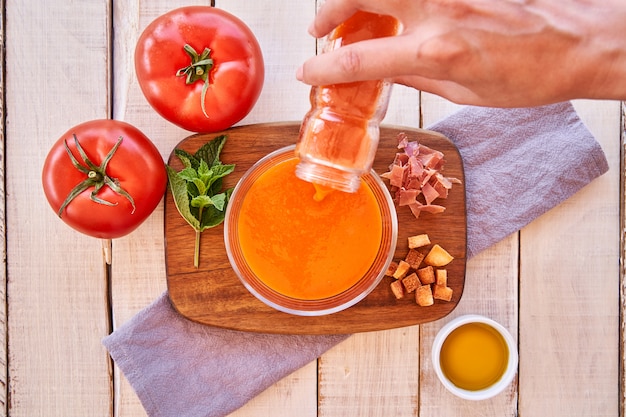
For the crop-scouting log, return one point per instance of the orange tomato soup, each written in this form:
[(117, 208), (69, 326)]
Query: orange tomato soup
[(305, 247)]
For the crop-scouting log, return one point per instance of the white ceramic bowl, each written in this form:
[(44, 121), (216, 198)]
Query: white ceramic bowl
[(499, 385)]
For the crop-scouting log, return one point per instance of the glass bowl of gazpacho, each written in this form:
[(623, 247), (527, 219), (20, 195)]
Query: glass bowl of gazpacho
[(303, 249)]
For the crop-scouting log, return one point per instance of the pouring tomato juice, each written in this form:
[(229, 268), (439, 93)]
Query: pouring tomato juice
[(339, 134), (303, 246)]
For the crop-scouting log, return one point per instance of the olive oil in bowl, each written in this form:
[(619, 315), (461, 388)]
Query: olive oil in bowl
[(474, 357)]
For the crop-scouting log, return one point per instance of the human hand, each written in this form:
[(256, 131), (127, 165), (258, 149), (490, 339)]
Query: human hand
[(500, 53)]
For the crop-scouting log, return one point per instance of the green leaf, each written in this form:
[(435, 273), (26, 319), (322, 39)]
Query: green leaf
[(202, 201), (203, 169), (181, 197), (192, 190), (200, 186), (188, 174), (204, 173), (210, 151), (215, 187), (211, 216), (219, 201), (188, 160), (196, 188), (220, 171)]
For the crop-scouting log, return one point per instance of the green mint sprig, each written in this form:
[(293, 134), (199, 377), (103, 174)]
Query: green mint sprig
[(197, 188)]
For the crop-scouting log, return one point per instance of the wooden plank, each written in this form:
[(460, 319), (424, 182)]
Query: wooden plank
[(280, 29), (3, 235), (622, 342), (373, 374), (491, 290), (435, 108), (137, 269), (569, 287), (136, 284), (57, 310)]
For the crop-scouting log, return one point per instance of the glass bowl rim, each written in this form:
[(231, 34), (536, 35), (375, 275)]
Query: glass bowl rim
[(390, 234)]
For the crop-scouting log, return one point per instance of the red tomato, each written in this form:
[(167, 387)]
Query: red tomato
[(136, 166), (232, 80)]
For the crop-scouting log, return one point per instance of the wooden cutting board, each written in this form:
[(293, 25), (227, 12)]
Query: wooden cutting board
[(213, 295)]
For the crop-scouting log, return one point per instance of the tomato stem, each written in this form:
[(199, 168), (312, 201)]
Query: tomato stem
[(97, 177), (198, 70)]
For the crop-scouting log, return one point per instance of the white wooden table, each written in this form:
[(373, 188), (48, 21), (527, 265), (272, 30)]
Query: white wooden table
[(72, 61)]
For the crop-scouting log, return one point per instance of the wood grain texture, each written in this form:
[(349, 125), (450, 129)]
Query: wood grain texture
[(139, 265), (557, 282), (622, 272), (57, 305), (137, 271), (212, 294), (386, 386), (491, 289), (3, 241), (390, 356), (280, 29), (569, 337)]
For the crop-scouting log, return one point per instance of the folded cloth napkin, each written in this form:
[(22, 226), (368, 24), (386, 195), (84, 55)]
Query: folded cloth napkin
[(518, 164)]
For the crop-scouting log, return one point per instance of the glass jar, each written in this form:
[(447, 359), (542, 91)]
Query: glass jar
[(339, 135)]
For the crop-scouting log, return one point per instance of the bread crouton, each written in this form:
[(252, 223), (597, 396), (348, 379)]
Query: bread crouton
[(441, 277), (414, 258), (438, 256), (391, 269), (426, 275), (442, 293), (401, 270), (396, 289), (424, 296), (411, 282), (418, 241)]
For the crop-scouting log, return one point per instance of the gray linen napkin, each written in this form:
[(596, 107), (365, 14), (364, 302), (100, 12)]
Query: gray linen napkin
[(518, 164)]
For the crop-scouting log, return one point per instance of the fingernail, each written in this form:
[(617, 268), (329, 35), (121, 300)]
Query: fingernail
[(299, 73)]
